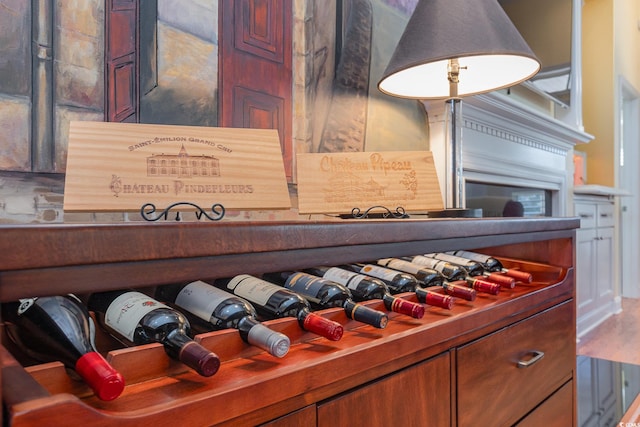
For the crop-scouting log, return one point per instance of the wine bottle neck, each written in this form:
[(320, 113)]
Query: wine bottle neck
[(178, 345), (245, 324)]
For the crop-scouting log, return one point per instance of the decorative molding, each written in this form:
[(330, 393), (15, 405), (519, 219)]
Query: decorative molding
[(492, 129)]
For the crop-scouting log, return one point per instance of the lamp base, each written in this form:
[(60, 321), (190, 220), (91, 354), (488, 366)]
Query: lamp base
[(456, 213)]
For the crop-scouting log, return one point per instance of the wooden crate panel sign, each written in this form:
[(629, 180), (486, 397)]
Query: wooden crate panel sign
[(123, 166), (339, 182)]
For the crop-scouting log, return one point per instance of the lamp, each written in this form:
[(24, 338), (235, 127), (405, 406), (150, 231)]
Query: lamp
[(451, 49)]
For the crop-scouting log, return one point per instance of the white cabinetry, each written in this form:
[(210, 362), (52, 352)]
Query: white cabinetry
[(595, 261)]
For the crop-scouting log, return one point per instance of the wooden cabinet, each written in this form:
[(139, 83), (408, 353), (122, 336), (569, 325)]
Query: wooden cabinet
[(595, 258), (442, 369), (512, 370), (553, 411), (418, 395)]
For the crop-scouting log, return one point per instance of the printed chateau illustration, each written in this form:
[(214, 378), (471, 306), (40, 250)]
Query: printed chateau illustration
[(182, 165)]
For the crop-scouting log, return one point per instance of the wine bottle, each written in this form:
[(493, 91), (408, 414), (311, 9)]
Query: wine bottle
[(481, 285), (459, 289), (428, 277), (135, 318), (399, 282), (474, 269), (217, 309), (59, 328), (273, 301), (365, 288), (449, 271), (501, 279), (494, 265), (322, 293)]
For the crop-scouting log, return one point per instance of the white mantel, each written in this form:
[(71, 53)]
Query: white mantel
[(507, 142)]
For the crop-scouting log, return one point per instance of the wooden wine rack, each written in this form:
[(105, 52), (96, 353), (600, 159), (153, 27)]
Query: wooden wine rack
[(253, 387)]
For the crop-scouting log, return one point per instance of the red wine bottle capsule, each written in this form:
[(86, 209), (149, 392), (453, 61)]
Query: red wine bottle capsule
[(483, 285), (504, 281), (519, 275), (460, 289), (435, 299)]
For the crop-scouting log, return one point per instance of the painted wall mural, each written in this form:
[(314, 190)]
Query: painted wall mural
[(55, 60)]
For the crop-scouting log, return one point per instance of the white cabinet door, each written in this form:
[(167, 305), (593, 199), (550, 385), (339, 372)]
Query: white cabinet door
[(586, 273), (595, 240), (604, 262)]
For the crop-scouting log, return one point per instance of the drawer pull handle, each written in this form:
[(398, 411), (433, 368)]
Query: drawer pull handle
[(535, 357), (584, 215)]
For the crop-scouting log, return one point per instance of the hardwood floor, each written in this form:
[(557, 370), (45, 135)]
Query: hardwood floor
[(617, 338)]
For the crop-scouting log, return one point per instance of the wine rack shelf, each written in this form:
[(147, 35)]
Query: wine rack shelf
[(251, 386)]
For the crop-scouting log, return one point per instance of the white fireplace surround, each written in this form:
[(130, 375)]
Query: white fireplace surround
[(506, 142)]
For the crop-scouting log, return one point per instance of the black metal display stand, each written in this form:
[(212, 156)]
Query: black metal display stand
[(148, 210)]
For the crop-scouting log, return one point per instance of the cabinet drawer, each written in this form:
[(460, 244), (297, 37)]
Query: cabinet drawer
[(587, 214), (416, 396), (556, 411), (493, 389), (605, 217)]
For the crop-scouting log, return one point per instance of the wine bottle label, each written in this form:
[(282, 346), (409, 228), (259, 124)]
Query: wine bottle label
[(427, 262), (306, 284), (451, 258), (472, 256), (344, 277), (400, 264), (379, 272), (126, 311), (255, 290), (201, 299)]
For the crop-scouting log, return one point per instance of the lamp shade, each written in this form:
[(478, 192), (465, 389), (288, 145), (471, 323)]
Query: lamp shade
[(490, 51)]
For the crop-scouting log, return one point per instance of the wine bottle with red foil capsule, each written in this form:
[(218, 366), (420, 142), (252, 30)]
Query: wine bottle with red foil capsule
[(273, 302), (459, 289), (430, 296), (322, 293), (399, 282), (365, 288), (482, 285), (134, 318), (501, 279), (474, 269), (59, 328), (209, 308), (494, 265), (428, 277)]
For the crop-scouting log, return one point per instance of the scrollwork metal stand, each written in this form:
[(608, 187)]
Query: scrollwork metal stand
[(356, 213), (147, 210)]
